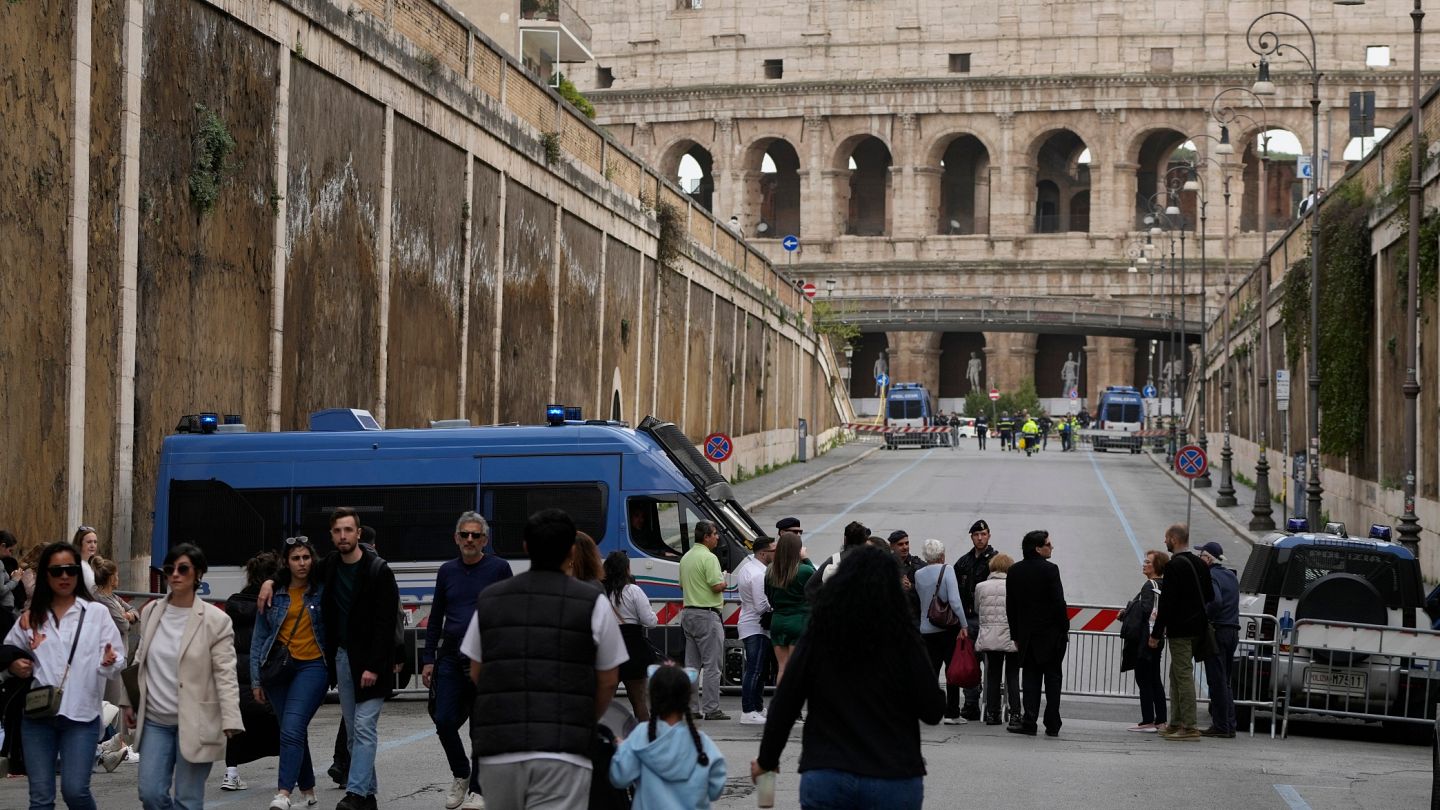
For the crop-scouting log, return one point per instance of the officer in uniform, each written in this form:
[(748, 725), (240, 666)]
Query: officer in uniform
[(954, 431), (982, 430), (1045, 425), (1031, 433), (1007, 427)]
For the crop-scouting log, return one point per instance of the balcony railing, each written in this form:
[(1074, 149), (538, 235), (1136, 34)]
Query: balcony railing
[(558, 11)]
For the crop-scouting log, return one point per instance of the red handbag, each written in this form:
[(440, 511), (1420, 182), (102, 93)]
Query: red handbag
[(964, 669)]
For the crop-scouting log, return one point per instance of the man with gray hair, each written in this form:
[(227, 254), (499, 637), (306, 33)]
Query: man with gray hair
[(445, 671), (702, 584)]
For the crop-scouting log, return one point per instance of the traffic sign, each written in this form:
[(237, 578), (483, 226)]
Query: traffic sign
[(1303, 167), (1073, 393), (718, 447), (790, 243), (1282, 389), (809, 289), (1149, 392), (882, 379), (1191, 461), (994, 394)]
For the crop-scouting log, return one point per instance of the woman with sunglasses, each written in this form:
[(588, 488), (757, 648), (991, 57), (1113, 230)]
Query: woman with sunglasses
[(287, 666), (75, 647), (188, 695)]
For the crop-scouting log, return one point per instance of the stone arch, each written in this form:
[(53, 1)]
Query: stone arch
[(962, 193), (1061, 175), (1156, 152), (690, 165), (1283, 188), (862, 174), (772, 171)]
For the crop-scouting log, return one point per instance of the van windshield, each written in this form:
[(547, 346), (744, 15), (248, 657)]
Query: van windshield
[(1122, 412), (904, 409), (660, 525)]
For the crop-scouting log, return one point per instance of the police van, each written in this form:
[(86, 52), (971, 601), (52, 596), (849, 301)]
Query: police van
[(1119, 419), (909, 405), (640, 490)]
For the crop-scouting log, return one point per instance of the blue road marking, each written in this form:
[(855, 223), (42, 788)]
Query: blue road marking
[(876, 491), (1119, 513), (1291, 797)]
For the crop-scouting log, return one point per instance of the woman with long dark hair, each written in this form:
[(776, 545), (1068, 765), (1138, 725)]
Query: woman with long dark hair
[(636, 616), (287, 666), (88, 543), (75, 647), (785, 591), (857, 752)]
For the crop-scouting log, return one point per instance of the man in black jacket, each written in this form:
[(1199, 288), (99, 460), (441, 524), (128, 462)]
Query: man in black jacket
[(1184, 593), (545, 652), (971, 569), (1040, 628), (359, 609)]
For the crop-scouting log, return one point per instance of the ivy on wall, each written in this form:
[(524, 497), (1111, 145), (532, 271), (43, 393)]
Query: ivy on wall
[(672, 235), (1295, 310), (1346, 328)]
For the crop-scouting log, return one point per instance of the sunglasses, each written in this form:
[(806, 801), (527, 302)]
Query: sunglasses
[(470, 535), (300, 539), (183, 569), (64, 570), (691, 672), (86, 529)]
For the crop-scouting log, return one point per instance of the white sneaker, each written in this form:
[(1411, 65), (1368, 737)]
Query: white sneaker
[(236, 783), (280, 802), (955, 721), (458, 790), (310, 799), (473, 801), (131, 756), (752, 719)]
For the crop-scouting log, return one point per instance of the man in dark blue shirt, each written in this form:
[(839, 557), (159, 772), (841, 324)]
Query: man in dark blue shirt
[(445, 671)]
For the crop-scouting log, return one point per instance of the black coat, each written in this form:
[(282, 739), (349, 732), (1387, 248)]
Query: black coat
[(1184, 594), (261, 737), (1035, 608), (1135, 629), (370, 632), (12, 705)]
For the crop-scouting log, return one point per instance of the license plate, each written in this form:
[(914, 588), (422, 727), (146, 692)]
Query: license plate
[(1335, 680)]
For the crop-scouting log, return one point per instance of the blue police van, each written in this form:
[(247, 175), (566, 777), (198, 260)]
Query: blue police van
[(909, 405), (640, 490), (1119, 419)]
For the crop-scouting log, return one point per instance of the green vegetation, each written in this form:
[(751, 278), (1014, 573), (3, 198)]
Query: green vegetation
[(551, 142), (1012, 402), (570, 93), (829, 322), (213, 145), (1346, 327), (672, 235)]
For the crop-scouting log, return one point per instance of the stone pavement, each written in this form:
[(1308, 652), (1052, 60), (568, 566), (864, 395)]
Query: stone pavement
[(771, 486)]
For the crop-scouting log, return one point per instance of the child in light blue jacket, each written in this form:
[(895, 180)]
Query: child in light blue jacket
[(672, 764)]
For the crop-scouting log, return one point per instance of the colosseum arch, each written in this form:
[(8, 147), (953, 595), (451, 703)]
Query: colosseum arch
[(690, 166), (1283, 187), (1158, 153), (771, 167), (862, 189), (1062, 183), (962, 189)]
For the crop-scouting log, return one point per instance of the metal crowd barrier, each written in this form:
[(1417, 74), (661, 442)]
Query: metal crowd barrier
[(1366, 671)]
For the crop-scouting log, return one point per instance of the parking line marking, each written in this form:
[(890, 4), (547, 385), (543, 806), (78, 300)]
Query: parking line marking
[(873, 493), (1291, 797), (1114, 504)]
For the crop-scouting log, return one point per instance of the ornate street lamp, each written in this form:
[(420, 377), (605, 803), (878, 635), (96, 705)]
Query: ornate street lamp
[(1265, 44)]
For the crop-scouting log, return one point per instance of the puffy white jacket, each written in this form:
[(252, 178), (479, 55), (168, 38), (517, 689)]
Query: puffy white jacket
[(990, 606)]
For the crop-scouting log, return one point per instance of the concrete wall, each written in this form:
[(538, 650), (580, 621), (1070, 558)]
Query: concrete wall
[(402, 220)]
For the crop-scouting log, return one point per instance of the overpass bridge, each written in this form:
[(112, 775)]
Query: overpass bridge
[(1037, 314)]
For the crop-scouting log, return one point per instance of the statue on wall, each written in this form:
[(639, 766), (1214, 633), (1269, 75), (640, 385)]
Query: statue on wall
[(882, 369), (972, 371), (1167, 378), (1070, 374)]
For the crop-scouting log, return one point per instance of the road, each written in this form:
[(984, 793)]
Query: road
[(1103, 510)]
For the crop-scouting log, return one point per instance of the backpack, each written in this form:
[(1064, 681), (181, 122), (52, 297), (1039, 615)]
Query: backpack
[(376, 561)]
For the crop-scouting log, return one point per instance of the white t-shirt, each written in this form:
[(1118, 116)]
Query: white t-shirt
[(633, 607), (750, 579), (609, 654), (162, 667)]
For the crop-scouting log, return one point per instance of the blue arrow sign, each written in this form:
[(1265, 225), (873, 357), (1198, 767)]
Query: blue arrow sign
[(882, 379), (1149, 392), (790, 243)]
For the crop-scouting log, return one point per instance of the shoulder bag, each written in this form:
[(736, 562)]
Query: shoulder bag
[(940, 613), (43, 702), (1205, 646)]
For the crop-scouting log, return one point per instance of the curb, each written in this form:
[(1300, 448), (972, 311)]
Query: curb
[(1241, 529), (808, 480)]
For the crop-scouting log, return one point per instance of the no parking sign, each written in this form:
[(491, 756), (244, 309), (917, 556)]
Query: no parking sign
[(718, 447)]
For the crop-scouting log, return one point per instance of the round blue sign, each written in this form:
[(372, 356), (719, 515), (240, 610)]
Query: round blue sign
[(882, 379), (790, 243), (1149, 392)]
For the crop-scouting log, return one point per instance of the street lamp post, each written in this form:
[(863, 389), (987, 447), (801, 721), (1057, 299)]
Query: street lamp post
[(1261, 511), (1225, 495), (1265, 44), (1195, 181)]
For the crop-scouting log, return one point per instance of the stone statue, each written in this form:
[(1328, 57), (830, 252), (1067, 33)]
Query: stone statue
[(1167, 378), (1070, 373), (882, 368), (972, 371)]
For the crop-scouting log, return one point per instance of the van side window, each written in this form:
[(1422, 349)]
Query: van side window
[(661, 526), (229, 525), (509, 506), (411, 523)]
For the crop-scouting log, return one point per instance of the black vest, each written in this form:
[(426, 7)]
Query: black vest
[(537, 673)]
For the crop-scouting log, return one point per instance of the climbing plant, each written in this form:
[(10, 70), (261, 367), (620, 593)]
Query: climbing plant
[(1346, 327), (213, 145), (672, 234), (1295, 310)]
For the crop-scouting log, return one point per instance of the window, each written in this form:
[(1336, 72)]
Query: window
[(1377, 56), (959, 63), (660, 526), (229, 525), (604, 78), (1162, 60), (774, 68), (1122, 412), (1308, 564), (689, 5), (904, 409), (411, 523), (509, 507)]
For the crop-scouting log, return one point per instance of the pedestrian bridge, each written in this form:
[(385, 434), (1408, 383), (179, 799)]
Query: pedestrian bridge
[(1041, 314)]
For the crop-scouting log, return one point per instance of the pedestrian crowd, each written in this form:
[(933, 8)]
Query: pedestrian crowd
[(532, 661)]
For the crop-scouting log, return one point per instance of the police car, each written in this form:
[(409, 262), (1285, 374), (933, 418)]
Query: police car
[(1330, 576)]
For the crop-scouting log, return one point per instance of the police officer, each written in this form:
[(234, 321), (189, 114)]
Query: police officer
[(1045, 425), (1031, 432), (954, 431), (1006, 427), (971, 569), (982, 430)]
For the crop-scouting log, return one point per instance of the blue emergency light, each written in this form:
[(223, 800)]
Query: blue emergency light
[(555, 415), (1295, 525), (208, 422), (1379, 531)]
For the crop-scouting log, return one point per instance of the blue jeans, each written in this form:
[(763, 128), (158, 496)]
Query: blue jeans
[(74, 743), (296, 696), (752, 682), (454, 695), (827, 789), (362, 728), (160, 764)]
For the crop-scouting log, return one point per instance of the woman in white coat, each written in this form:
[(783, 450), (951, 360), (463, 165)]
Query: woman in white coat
[(994, 643), (189, 700)]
